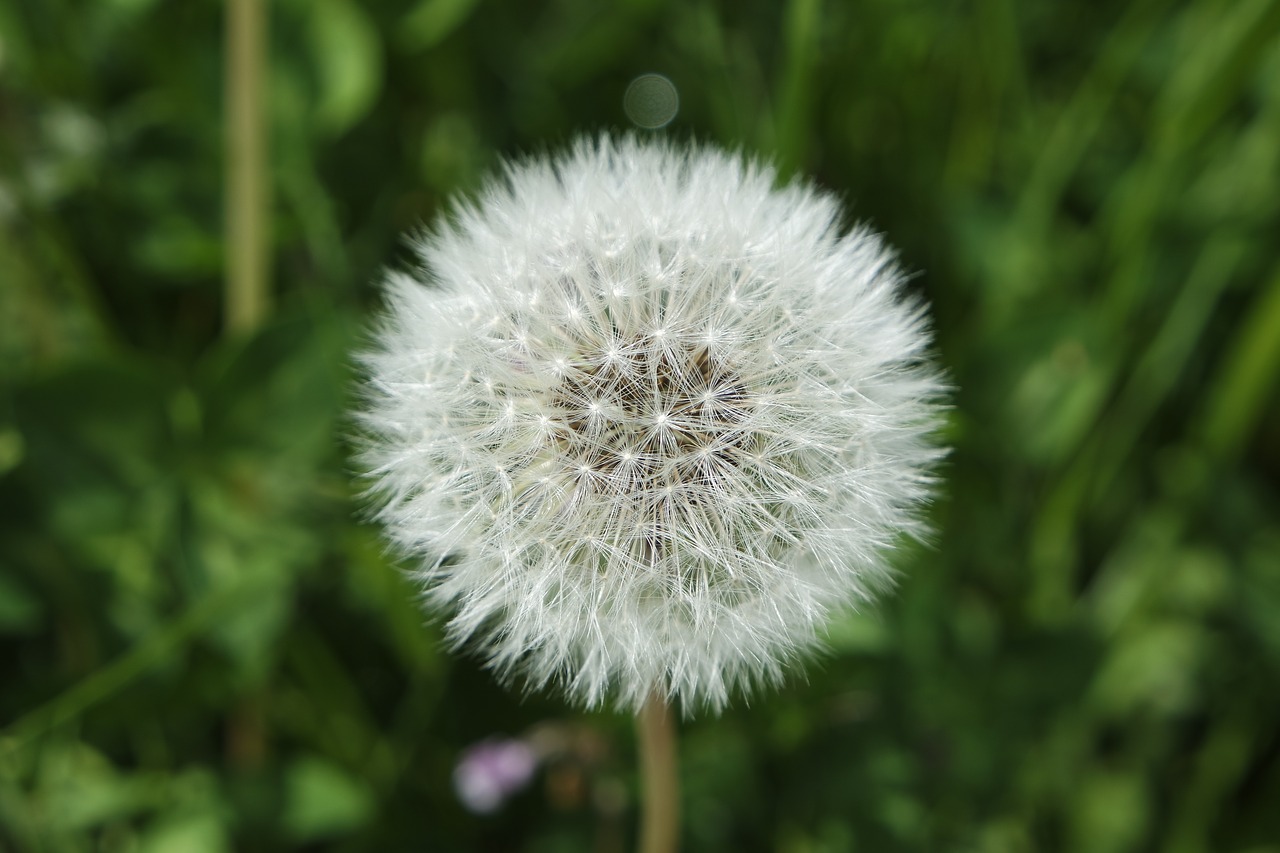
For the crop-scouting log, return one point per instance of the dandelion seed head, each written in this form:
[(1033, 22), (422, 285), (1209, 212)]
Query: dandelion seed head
[(646, 421)]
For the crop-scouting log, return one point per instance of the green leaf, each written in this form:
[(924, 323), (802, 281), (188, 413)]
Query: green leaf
[(20, 611), (431, 21), (201, 832), (323, 800), (348, 54)]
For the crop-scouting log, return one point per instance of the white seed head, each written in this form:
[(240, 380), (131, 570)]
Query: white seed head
[(645, 421)]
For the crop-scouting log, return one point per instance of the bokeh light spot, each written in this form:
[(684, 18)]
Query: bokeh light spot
[(651, 101)]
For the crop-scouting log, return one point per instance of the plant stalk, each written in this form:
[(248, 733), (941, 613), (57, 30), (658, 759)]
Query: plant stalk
[(660, 818), (247, 220)]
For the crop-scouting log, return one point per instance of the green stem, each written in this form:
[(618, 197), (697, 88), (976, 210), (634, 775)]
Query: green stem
[(660, 821), (793, 118), (247, 221), (159, 646)]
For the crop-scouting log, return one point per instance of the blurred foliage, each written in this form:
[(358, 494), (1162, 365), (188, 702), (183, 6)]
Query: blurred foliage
[(203, 649)]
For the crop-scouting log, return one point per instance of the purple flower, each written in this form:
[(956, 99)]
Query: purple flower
[(491, 771)]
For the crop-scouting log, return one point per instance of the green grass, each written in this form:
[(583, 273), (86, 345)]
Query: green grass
[(203, 648)]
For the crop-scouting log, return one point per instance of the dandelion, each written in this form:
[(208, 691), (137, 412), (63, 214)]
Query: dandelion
[(646, 421)]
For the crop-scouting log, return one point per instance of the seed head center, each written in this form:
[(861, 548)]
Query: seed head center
[(650, 416)]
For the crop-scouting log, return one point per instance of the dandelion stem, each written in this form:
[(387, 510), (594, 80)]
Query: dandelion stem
[(660, 821), (246, 201)]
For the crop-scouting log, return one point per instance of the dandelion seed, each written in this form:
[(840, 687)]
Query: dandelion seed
[(725, 451)]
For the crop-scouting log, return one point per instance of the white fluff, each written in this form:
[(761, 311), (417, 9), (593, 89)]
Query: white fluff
[(645, 421)]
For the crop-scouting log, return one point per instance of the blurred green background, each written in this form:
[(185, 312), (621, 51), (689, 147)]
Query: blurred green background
[(203, 649)]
